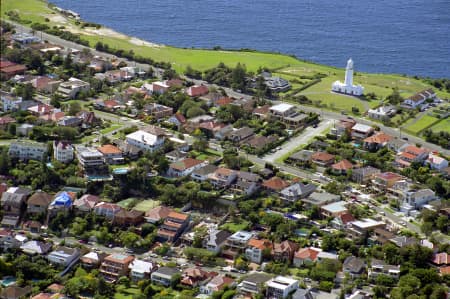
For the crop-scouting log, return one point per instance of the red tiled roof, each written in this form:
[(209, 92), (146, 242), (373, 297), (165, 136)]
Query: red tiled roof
[(177, 215), (109, 149), (306, 253), (407, 155), (275, 183), (342, 165), (180, 117), (260, 244), (322, 156), (13, 69), (224, 101), (6, 63), (110, 103), (346, 218), (185, 164), (445, 270), (224, 171), (389, 176), (6, 120), (262, 110), (415, 150), (379, 138)]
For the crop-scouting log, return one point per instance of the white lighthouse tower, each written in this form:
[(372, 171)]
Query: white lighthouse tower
[(349, 73), (347, 87)]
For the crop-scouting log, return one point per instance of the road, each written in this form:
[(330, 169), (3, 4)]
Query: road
[(396, 219), (324, 113), (293, 143)]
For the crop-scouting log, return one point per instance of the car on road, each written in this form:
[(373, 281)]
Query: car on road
[(405, 138), (82, 241)]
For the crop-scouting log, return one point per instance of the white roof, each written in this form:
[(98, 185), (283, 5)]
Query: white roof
[(361, 128), (366, 223), (144, 137), (21, 238), (283, 107), (281, 282), (335, 207), (91, 255), (327, 255), (141, 266), (242, 236)]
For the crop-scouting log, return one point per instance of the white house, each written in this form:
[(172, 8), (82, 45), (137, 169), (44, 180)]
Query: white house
[(280, 287), (63, 151), (215, 240), (109, 210), (216, 284), (26, 150), (63, 256), (9, 101), (89, 156), (141, 269), (72, 87), (145, 141), (255, 249), (436, 162), (185, 167), (419, 98), (347, 87), (163, 276), (382, 112)]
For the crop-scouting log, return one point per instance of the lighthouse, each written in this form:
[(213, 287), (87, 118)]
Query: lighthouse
[(347, 87)]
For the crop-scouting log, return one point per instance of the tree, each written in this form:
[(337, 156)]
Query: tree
[(194, 111), (74, 108), (129, 239), (238, 77), (25, 91)]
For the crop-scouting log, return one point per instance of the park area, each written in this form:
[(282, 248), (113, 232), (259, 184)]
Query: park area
[(415, 126)]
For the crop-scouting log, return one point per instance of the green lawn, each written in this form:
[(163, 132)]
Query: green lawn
[(126, 202), (110, 129), (126, 293), (421, 124), (235, 227), (443, 125), (146, 205)]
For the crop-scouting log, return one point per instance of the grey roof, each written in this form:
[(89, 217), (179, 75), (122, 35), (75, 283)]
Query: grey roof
[(167, 271), (242, 132), (402, 241), (298, 189), (303, 155), (354, 265), (366, 170), (248, 176), (257, 278), (302, 294), (205, 170), (320, 198), (218, 237), (176, 154)]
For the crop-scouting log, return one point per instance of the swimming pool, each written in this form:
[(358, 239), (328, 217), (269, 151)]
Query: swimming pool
[(8, 281), (120, 171)]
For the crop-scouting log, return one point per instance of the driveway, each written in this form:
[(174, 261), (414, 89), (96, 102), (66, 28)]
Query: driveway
[(293, 143)]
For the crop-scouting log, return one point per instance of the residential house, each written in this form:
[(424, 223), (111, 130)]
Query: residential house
[(236, 244), (9, 102), (38, 202), (173, 226), (32, 226), (280, 287), (342, 167), (63, 256), (222, 177), (146, 141), (36, 247), (92, 260), (384, 181), (63, 151), (419, 98), (15, 292), (334, 209), (284, 251), (24, 130), (215, 240), (354, 266), (241, 134), (9, 240), (86, 203), (164, 276), (158, 111), (411, 154), (319, 199), (157, 214), (140, 269), (128, 218), (213, 129), (301, 157), (202, 174), (436, 162), (382, 236), (323, 159), (397, 145), (176, 155), (364, 174), (115, 266), (216, 284), (195, 276), (403, 241), (382, 113), (441, 259), (157, 87), (106, 209), (302, 294), (256, 248), (13, 203), (361, 132), (27, 150), (61, 202), (197, 90), (276, 84), (297, 191), (112, 154), (306, 256), (275, 184), (379, 267), (341, 221), (185, 167), (261, 112), (89, 158), (259, 142), (223, 101), (88, 118), (71, 88), (177, 119), (40, 109), (5, 121), (253, 283), (10, 69), (360, 228), (377, 141), (343, 126), (288, 114), (246, 183)]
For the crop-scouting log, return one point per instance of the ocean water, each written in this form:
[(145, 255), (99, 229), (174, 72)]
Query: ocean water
[(384, 36)]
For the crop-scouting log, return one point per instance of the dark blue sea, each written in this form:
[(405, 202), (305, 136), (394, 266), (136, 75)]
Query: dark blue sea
[(384, 36)]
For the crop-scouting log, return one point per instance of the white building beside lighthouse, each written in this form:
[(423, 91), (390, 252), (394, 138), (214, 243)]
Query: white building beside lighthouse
[(347, 87)]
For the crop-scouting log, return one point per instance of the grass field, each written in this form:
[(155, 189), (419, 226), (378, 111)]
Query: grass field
[(146, 205), (421, 124), (110, 129), (235, 227), (285, 66), (442, 126), (126, 203), (126, 293)]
